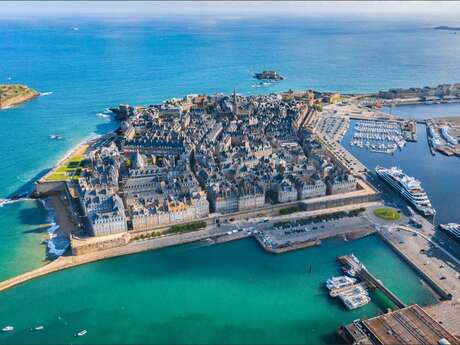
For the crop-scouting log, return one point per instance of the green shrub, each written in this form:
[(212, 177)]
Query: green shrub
[(288, 210), (182, 228)]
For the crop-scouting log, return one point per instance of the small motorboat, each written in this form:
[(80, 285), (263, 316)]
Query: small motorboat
[(81, 333), (39, 328), (8, 329), (55, 137)]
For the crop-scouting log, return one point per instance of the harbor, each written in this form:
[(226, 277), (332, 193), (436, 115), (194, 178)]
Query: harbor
[(378, 136), (444, 135), (189, 275), (352, 288), (352, 264)]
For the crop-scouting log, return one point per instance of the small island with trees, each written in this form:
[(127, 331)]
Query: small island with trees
[(14, 94)]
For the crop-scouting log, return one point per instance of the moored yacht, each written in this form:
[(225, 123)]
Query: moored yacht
[(339, 282), (409, 187), (453, 229)]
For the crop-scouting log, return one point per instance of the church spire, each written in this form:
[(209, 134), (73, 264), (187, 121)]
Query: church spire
[(235, 103)]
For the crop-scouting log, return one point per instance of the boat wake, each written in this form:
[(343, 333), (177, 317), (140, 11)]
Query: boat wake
[(104, 115), (262, 85), (46, 93)]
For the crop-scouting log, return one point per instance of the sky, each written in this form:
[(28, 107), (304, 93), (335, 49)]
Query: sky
[(447, 10)]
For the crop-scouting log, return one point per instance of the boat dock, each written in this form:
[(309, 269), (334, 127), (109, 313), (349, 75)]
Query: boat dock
[(372, 282)]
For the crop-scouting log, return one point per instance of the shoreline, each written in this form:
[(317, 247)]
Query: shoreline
[(13, 102), (88, 141), (70, 261), (136, 247)]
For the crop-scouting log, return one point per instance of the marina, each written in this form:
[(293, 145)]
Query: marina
[(378, 136), (444, 135)]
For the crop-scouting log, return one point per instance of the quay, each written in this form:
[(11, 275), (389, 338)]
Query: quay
[(371, 281), (342, 157), (288, 248), (293, 234), (427, 257)]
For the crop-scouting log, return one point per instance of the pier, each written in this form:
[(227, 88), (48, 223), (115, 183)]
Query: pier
[(371, 281)]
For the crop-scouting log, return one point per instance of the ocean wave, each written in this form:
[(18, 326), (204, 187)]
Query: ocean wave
[(6, 202), (54, 227), (51, 218), (57, 246), (12, 201)]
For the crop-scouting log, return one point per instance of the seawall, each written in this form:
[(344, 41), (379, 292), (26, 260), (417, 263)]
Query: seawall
[(66, 262)]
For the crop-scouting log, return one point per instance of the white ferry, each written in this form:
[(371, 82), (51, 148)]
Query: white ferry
[(452, 229), (409, 187)]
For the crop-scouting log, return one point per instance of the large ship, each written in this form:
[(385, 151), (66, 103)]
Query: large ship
[(453, 229), (409, 187)]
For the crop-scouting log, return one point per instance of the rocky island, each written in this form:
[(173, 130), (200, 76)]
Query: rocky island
[(445, 27), (268, 75), (13, 94)]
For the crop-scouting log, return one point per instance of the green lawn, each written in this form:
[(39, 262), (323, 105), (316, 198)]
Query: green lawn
[(68, 169), (387, 213)]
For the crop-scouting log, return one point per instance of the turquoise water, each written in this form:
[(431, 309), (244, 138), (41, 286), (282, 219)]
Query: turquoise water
[(21, 226), (233, 293)]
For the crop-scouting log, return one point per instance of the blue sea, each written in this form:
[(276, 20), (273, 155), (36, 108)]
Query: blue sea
[(107, 62)]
